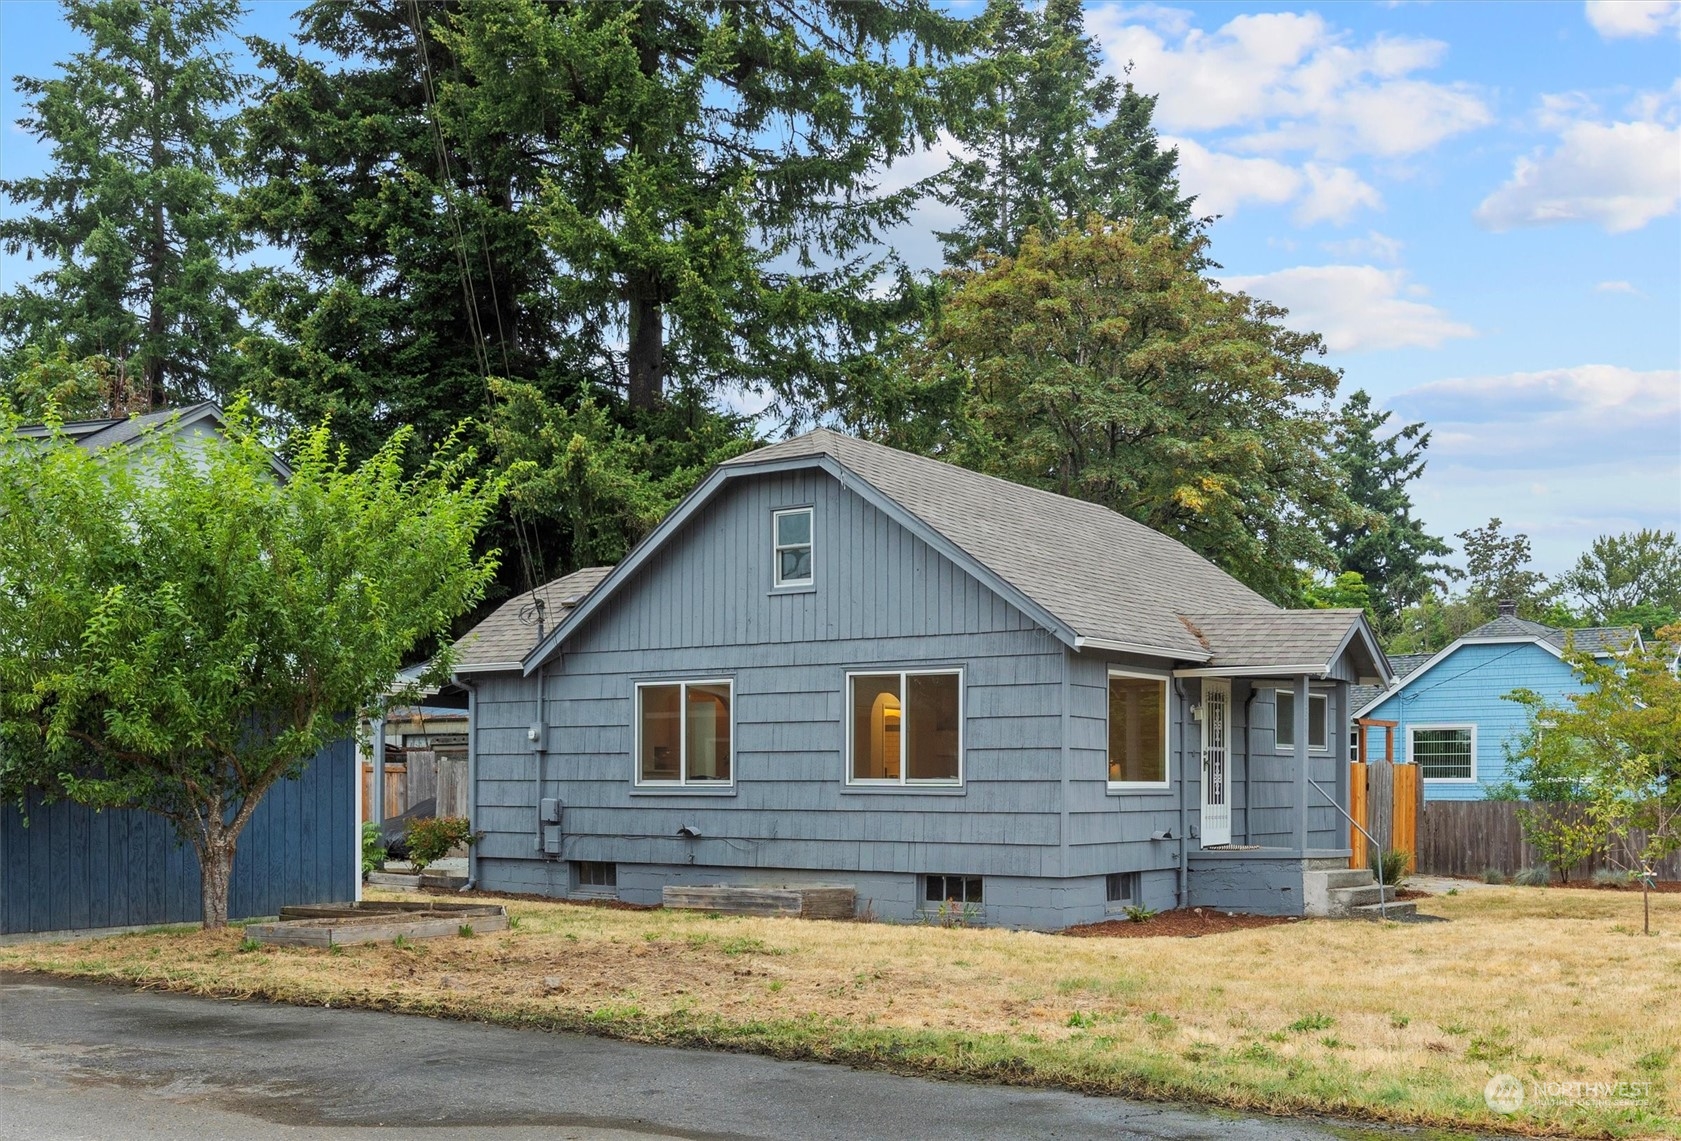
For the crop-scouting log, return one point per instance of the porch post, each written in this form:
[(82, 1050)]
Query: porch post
[(1301, 763), (376, 810)]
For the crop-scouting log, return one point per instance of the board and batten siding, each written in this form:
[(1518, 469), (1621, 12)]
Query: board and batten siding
[(706, 608), (73, 869), (1469, 688)]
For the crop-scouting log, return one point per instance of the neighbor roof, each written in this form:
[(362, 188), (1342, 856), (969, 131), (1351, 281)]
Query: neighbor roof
[(504, 638), (1592, 639), (1402, 664), (1107, 577), (96, 435)]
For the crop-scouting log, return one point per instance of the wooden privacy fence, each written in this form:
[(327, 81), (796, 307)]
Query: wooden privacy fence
[(1466, 837), (1388, 800), (427, 774)]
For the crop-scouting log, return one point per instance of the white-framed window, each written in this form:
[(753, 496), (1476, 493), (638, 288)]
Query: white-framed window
[(1318, 720), (685, 733), (905, 727), (1138, 705), (791, 543), (1443, 752)]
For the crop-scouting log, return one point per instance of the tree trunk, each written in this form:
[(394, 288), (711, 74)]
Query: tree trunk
[(215, 861), (646, 355)]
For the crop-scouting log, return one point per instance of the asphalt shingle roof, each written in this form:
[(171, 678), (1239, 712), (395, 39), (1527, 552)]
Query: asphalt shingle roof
[(1593, 639), (1402, 664), (1106, 576), (92, 435), (1282, 638), (504, 638)]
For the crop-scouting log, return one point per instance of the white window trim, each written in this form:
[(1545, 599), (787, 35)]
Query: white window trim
[(1313, 695), (1412, 756), (777, 547), (904, 780), (683, 780), (1167, 738)]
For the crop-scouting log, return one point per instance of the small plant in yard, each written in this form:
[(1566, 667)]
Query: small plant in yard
[(513, 923), (403, 943), (1613, 877), (1390, 865), (430, 838), (1314, 1021), (1081, 1020), (1493, 875), (1138, 913), (1398, 1021), (1533, 877), (1453, 891), (373, 847), (248, 944), (953, 913), (465, 930)]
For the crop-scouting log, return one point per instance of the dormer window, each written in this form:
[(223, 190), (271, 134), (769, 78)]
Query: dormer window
[(791, 531)]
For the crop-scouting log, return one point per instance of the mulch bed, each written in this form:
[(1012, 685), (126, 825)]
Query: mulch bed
[(1187, 923), (1666, 887), (1411, 893)]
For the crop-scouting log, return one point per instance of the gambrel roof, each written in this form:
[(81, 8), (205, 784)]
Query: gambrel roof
[(1095, 578)]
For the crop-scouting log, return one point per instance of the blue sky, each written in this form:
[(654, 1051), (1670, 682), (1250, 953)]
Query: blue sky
[(1476, 204)]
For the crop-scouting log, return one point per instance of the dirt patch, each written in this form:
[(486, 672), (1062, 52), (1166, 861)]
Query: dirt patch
[(1187, 923), (1410, 893), (603, 904)]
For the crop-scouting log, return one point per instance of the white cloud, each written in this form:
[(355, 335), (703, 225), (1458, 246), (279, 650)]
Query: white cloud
[(1354, 307), (1334, 194), (1291, 82), (1617, 287), (1616, 18), (1618, 175), (1223, 181), (1375, 246)]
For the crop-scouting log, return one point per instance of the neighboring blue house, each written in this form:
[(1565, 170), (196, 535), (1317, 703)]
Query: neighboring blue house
[(1450, 708), (837, 663)]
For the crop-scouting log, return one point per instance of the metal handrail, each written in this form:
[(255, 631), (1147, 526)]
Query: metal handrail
[(1382, 895)]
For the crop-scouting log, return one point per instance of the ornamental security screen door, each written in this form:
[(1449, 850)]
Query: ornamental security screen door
[(1216, 782)]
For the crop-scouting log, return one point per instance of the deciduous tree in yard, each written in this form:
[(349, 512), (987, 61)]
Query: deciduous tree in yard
[(182, 628)]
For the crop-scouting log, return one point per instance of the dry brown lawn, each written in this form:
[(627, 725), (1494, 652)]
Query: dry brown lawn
[(1391, 1022)]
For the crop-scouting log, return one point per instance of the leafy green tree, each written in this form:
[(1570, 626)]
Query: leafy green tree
[(1498, 569), (1622, 574), (1432, 623), (1387, 546), (1619, 738), (1049, 137), (1099, 363), (181, 631), (133, 216), (1347, 591), (593, 486), (43, 386)]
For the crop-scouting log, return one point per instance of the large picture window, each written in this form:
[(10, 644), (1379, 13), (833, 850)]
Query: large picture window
[(905, 728), (1318, 720), (792, 547), (1443, 752), (1137, 731), (683, 733)]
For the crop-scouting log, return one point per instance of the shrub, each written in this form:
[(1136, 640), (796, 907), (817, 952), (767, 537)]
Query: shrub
[(431, 837), (1138, 913), (1533, 877), (1493, 875), (373, 847), (1613, 877), (1390, 865)]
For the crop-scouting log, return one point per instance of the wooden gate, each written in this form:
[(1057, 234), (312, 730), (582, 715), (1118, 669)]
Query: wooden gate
[(1387, 799)]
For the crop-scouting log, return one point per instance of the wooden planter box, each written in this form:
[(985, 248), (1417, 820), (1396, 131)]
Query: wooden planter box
[(800, 902), (330, 924)]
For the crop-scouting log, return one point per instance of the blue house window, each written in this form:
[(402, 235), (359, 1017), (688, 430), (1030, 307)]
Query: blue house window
[(792, 542), (905, 728), (1443, 752), (683, 733)]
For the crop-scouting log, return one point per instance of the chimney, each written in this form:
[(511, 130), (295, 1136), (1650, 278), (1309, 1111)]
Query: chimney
[(1508, 608)]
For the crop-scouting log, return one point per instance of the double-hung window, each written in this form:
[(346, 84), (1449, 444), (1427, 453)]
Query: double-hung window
[(1137, 731), (1318, 723), (683, 733), (905, 728), (1443, 752), (791, 547)]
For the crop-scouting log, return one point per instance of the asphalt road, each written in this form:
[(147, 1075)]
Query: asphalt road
[(80, 1061)]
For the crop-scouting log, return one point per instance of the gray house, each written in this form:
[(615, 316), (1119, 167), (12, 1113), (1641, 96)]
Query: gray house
[(837, 663)]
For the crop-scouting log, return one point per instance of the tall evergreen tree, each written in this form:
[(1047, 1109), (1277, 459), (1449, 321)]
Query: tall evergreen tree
[(133, 215), (1388, 547), (1049, 137)]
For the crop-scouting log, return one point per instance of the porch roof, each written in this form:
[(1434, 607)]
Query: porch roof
[(1290, 642)]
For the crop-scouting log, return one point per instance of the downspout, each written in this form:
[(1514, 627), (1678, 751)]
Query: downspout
[(472, 688), (1182, 895)]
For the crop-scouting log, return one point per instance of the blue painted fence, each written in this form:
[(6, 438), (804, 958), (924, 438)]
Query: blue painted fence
[(74, 869)]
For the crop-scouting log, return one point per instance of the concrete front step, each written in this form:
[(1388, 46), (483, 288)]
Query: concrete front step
[(1348, 877), (1361, 896), (1396, 909)]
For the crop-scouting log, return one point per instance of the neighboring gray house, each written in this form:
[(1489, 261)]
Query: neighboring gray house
[(840, 663), (188, 424)]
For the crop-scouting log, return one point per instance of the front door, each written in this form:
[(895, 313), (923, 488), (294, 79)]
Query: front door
[(1216, 763)]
